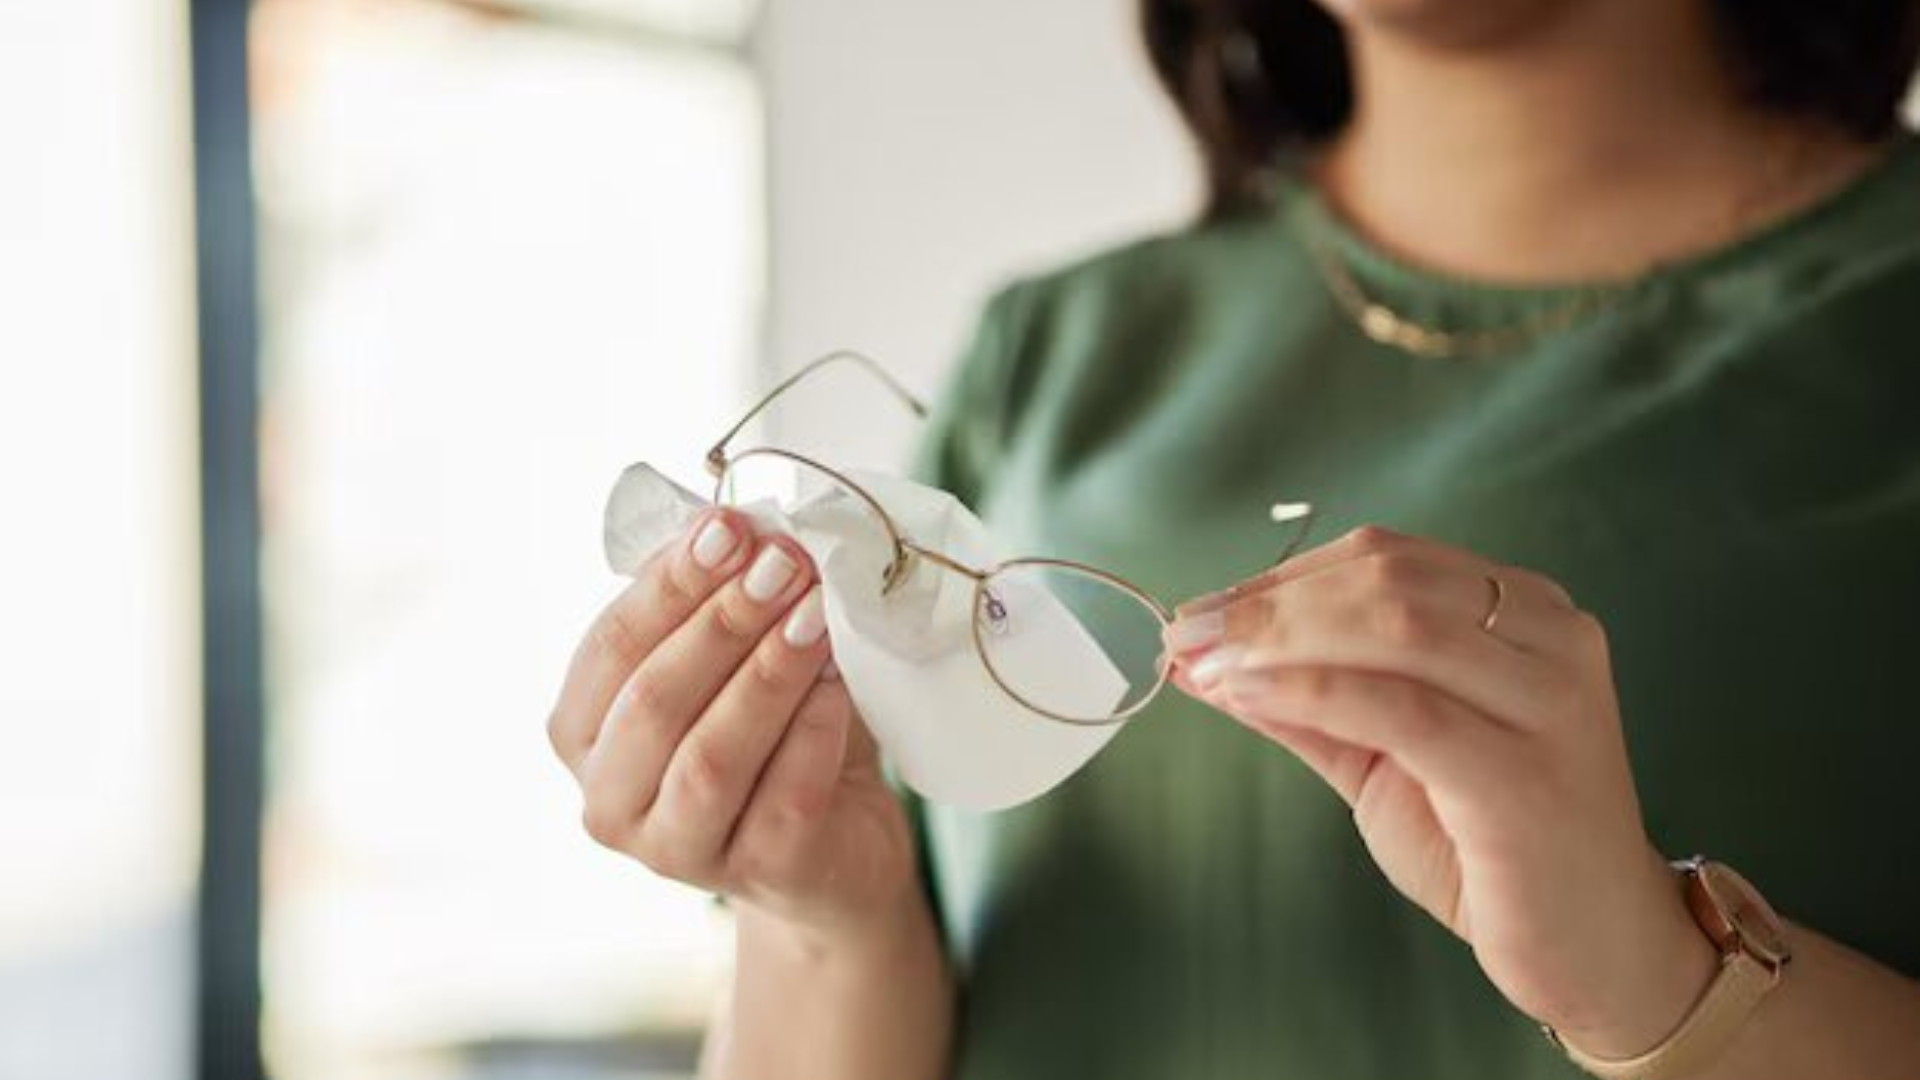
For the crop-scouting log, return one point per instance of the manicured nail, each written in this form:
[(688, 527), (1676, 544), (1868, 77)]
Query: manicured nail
[(1190, 632), (808, 621), (713, 544), (770, 574), (1210, 668), (1236, 687)]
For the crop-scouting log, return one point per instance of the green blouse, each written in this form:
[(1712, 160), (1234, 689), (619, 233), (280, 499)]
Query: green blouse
[(1723, 465)]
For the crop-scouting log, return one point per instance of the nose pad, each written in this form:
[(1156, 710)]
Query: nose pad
[(992, 613)]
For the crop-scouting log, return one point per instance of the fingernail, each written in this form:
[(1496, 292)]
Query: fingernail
[(770, 574), (713, 544), (1237, 685), (1210, 668), (808, 621), (1191, 632), (830, 671)]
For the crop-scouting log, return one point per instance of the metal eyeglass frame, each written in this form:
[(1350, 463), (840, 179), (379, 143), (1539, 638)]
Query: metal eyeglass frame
[(905, 550)]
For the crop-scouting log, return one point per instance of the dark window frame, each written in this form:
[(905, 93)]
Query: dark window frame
[(226, 1036), (227, 1002)]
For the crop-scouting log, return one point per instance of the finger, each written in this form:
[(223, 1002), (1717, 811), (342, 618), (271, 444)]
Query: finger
[(669, 588), (1541, 587), (1530, 607), (1524, 611), (715, 768), (1356, 543), (666, 694), (863, 753), (1343, 766), (1394, 613), (1438, 740), (1199, 624), (798, 787)]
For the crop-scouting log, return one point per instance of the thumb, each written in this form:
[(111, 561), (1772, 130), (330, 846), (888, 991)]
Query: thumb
[(863, 753)]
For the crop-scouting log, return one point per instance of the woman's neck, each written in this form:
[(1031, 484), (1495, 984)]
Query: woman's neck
[(1588, 145)]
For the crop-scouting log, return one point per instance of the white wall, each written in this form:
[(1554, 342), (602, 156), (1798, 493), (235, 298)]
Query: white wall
[(923, 152)]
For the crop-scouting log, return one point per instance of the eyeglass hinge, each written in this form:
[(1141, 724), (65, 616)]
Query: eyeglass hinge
[(717, 462)]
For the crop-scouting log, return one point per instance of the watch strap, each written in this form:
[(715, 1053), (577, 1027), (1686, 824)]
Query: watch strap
[(1703, 1036)]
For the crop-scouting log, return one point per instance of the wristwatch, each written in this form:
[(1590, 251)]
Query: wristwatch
[(1753, 956)]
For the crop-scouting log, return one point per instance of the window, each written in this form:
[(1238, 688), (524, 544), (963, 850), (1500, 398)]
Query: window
[(99, 734), (507, 248)]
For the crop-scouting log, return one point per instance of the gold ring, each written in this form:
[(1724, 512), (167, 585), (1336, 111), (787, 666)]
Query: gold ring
[(1499, 598)]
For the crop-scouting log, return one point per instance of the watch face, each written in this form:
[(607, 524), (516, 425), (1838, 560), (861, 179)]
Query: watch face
[(1741, 904)]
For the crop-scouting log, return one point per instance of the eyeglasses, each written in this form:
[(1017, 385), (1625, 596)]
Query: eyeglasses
[(1010, 600)]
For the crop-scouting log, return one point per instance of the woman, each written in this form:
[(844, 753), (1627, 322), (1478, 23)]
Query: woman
[(1618, 291)]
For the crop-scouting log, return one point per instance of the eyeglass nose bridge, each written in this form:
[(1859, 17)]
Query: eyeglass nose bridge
[(906, 554)]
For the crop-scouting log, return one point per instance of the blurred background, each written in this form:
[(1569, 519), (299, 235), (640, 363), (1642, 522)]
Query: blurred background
[(325, 326)]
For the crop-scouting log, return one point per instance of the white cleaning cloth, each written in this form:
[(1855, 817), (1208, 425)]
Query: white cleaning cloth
[(908, 658)]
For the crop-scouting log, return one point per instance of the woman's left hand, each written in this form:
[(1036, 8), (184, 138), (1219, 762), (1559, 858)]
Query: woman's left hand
[(1485, 765)]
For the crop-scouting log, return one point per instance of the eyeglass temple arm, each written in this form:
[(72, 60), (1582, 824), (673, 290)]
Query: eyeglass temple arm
[(1299, 512), (717, 456)]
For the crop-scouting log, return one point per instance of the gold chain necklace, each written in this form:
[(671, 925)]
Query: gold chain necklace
[(1386, 326), (1382, 324)]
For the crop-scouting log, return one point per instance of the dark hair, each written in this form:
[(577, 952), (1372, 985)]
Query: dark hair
[(1257, 78)]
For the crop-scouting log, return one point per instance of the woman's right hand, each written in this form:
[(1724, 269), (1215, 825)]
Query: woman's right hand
[(714, 742)]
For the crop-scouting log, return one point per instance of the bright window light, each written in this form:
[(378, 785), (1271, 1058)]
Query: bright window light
[(504, 259), (99, 640)]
